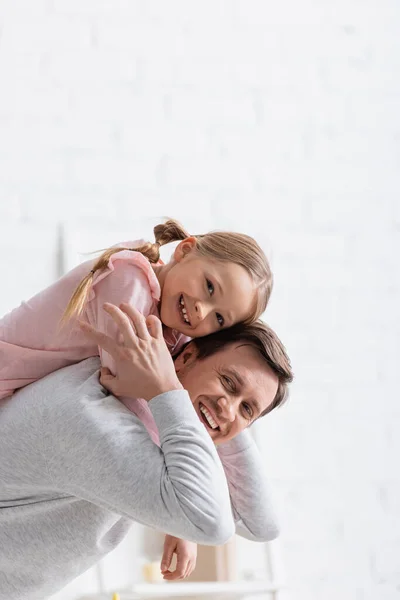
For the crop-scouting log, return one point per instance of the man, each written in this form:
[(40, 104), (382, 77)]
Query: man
[(77, 467)]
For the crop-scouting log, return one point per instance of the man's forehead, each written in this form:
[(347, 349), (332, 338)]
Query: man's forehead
[(242, 353)]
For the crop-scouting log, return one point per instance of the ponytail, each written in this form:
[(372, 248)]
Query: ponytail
[(170, 231)]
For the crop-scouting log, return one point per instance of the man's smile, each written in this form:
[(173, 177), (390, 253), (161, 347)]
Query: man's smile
[(207, 417)]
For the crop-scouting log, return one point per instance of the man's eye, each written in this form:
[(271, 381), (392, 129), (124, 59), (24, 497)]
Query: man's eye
[(210, 287), (248, 409), (229, 384), (220, 320)]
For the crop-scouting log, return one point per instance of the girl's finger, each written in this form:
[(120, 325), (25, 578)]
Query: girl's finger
[(185, 574), (137, 319), (189, 569), (123, 323), (165, 563), (167, 557), (181, 566)]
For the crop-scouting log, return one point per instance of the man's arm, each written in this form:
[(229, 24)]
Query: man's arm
[(251, 500), (98, 451), (250, 496)]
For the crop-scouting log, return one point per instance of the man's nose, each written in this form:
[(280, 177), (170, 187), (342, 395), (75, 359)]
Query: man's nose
[(227, 408)]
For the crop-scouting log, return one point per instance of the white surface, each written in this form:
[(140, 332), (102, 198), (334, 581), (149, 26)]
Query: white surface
[(186, 590), (276, 118)]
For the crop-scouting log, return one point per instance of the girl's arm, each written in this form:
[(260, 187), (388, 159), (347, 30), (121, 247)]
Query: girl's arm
[(250, 494), (130, 281)]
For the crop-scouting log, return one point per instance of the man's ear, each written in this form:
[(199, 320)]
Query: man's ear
[(184, 247), (186, 358)]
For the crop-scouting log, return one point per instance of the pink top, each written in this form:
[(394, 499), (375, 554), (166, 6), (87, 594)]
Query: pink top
[(32, 345)]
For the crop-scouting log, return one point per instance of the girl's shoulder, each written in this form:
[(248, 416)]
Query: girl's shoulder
[(128, 268)]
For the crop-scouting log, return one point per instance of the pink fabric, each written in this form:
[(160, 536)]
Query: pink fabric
[(32, 345)]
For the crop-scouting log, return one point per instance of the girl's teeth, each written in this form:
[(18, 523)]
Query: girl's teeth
[(183, 309)]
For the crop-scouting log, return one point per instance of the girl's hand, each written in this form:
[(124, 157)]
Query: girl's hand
[(186, 553), (144, 366)]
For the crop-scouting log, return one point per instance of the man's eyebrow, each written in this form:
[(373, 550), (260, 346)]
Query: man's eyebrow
[(232, 371)]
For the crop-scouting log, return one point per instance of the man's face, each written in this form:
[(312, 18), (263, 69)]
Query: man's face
[(229, 389)]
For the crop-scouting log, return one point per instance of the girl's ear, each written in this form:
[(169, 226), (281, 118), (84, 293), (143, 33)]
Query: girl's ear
[(184, 247)]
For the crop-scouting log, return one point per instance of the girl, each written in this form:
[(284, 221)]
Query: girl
[(213, 281)]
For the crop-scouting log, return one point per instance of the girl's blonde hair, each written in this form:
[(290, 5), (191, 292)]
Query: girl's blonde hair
[(218, 245)]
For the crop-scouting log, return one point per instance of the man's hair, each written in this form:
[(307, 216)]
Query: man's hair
[(264, 340)]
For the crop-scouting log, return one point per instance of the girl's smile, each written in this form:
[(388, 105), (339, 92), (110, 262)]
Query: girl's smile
[(183, 311)]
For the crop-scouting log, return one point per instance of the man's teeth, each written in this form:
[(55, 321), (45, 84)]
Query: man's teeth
[(183, 309), (209, 418)]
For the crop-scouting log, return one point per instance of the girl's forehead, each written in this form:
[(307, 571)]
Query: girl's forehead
[(222, 266)]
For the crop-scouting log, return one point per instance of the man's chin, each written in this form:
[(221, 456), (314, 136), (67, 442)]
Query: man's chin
[(215, 436)]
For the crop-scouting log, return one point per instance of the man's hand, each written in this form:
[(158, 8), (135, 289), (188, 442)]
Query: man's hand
[(186, 553), (144, 366)]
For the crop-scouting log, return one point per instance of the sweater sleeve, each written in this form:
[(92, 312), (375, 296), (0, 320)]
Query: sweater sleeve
[(98, 451), (129, 278), (250, 492)]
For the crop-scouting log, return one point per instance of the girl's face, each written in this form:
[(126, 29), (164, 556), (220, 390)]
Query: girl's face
[(201, 295)]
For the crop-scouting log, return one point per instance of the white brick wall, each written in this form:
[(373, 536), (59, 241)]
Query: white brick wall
[(279, 119)]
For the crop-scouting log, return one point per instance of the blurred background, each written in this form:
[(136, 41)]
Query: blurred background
[(277, 119)]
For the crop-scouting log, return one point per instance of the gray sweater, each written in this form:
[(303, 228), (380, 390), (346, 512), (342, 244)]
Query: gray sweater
[(77, 468)]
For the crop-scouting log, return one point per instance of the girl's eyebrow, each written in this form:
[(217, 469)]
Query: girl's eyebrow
[(218, 284)]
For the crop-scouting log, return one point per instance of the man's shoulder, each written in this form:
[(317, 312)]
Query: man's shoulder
[(66, 394), (71, 406), (70, 382)]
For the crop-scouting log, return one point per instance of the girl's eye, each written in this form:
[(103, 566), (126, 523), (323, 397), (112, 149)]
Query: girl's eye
[(220, 320), (210, 287), (248, 409)]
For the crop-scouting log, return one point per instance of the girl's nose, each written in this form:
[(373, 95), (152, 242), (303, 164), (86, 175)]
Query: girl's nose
[(202, 310)]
